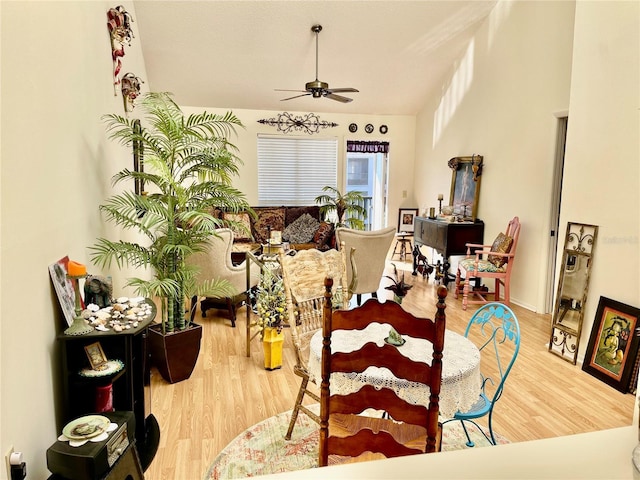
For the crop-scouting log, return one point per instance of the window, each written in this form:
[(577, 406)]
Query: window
[(293, 170)]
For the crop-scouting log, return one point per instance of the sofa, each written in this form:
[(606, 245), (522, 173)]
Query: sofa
[(302, 227)]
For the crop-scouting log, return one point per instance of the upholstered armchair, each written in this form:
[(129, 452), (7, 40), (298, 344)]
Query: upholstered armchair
[(215, 263), (371, 250)]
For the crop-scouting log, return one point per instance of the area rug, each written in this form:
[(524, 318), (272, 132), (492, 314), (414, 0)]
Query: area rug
[(262, 449)]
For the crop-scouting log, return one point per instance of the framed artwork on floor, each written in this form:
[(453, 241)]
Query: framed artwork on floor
[(613, 344), (406, 219)]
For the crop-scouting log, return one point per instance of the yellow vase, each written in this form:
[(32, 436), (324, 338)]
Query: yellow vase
[(272, 343)]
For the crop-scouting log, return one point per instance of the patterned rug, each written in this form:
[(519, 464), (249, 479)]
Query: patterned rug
[(262, 449)]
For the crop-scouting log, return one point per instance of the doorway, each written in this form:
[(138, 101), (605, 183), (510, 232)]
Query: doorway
[(367, 173), (556, 200)]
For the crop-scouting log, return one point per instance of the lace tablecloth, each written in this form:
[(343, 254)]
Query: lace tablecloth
[(461, 380)]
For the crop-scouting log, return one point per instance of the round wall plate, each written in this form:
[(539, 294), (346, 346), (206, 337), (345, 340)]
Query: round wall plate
[(353, 128), (368, 128)]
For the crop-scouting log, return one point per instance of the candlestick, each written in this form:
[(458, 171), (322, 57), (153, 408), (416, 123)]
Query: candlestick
[(440, 198), (79, 326)]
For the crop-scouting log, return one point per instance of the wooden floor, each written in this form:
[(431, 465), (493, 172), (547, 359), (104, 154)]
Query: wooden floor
[(228, 392)]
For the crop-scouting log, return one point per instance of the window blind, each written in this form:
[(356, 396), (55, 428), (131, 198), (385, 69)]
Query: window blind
[(293, 170)]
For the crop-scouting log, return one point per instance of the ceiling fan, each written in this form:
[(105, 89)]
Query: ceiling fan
[(317, 88)]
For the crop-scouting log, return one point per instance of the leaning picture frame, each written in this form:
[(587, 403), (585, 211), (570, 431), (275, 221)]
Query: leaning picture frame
[(613, 344), (64, 288), (465, 185), (407, 219)]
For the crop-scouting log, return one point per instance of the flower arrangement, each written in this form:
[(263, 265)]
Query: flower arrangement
[(399, 287), (271, 302)]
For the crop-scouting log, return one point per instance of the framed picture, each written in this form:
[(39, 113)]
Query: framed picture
[(96, 355), (64, 288), (465, 185), (613, 344), (406, 219)]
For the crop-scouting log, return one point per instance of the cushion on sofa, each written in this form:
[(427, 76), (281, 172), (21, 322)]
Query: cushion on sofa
[(322, 237), (241, 226), (301, 230), (293, 213), (267, 217)]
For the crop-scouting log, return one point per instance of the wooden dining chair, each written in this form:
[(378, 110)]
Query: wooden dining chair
[(346, 434), (488, 262), (303, 275)]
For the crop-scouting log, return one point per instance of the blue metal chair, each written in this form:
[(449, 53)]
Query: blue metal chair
[(495, 328)]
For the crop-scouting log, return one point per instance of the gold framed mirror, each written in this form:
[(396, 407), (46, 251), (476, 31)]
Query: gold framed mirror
[(465, 186), (573, 286)]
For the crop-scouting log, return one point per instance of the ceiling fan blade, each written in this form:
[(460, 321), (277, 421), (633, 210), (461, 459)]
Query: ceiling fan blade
[(296, 96), (342, 90), (284, 90), (339, 98)]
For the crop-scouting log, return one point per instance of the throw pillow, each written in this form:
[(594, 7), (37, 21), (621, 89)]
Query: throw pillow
[(293, 213), (301, 230), (502, 244), (323, 235), (241, 225), (267, 217)]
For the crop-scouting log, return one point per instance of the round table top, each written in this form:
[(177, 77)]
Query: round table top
[(461, 379)]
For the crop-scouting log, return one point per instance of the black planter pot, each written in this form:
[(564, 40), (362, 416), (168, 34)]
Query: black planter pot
[(175, 354)]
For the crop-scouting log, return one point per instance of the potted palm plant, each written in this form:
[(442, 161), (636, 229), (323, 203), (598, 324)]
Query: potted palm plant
[(188, 166), (350, 204)]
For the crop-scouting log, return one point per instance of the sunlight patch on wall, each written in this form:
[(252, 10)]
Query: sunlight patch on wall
[(459, 86), (498, 15)]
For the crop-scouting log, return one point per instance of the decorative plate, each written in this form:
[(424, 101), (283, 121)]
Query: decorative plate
[(353, 128), (368, 128), (383, 129), (86, 427)]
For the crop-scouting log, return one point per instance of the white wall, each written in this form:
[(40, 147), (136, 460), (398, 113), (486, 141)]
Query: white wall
[(401, 138), (499, 102), (527, 62), (602, 168), (56, 170)]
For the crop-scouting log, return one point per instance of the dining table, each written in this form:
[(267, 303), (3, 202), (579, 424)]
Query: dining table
[(461, 378)]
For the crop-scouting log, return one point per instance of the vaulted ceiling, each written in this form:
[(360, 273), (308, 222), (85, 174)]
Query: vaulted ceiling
[(235, 54)]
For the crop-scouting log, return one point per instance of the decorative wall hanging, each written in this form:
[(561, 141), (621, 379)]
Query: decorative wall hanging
[(465, 185), (286, 123), (353, 128), (130, 90), (119, 25), (384, 129), (368, 128)]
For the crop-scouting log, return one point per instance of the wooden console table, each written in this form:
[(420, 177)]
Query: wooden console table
[(446, 238)]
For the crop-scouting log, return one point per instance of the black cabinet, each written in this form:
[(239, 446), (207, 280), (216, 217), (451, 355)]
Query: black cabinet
[(130, 386), (447, 238)]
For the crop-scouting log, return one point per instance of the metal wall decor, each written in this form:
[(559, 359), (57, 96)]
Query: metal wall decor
[(130, 90), (119, 24), (573, 285), (287, 123)]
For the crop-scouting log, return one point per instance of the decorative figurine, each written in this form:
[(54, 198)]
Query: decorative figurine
[(98, 290)]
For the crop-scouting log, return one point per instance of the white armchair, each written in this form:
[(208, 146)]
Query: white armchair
[(370, 254), (215, 263)]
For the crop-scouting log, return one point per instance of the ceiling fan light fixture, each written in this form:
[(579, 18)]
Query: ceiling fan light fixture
[(318, 89)]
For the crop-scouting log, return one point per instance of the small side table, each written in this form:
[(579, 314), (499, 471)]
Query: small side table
[(402, 240), (115, 458)]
